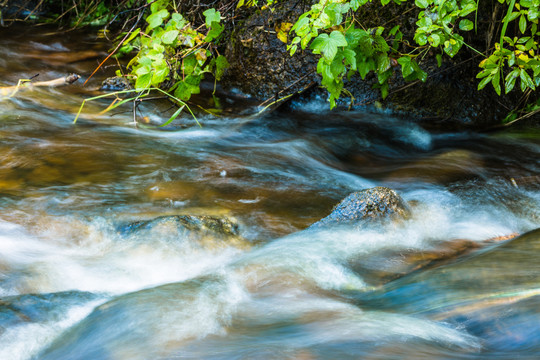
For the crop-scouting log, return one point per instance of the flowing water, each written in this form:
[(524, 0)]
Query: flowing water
[(74, 285)]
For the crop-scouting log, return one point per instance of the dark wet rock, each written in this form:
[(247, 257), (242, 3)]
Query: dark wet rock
[(377, 203), (115, 83), (260, 63), (205, 229)]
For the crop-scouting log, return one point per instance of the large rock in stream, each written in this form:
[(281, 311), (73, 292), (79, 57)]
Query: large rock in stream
[(377, 203)]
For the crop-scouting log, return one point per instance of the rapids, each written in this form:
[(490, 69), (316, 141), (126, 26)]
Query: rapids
[(72, 286)]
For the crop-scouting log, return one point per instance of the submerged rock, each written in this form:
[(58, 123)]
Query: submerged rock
[(377, 203), (207, 230), (115, 83)]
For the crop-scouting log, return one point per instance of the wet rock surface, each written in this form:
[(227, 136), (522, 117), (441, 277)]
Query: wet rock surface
[(262, 66), (377, 203), (208, 230), (115, 83)]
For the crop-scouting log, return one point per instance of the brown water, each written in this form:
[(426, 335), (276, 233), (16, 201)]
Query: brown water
[(73, 287)]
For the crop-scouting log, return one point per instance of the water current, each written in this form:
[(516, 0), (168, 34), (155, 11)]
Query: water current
[(75, 284)]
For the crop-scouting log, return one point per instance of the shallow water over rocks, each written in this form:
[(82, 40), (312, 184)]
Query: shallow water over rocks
[(75, 285)]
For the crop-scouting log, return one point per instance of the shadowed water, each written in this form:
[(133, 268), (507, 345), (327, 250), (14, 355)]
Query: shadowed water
[(74, 285)]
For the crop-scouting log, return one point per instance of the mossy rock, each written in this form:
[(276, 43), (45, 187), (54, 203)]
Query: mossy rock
[(206, 230)]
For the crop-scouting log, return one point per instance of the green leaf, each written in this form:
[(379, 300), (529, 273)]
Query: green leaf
[(221, 65), (526, 79), (533, 14), (338, 38), (421, 38), (384, 90), (337, 67), (327, 45), (423, 3), (484, 82), (168, 37), (143, 82), (439, 60), (215, 30), (394, 30), (510, 80), (522, 24), (407, 67), (383, 63), (160, 73), (186, 88), (495, 81), (156, 19), (350, 57), (157, 4), (132, 35), (174, 116), (211, 15), (452, 46), (364, 67), (466, 25), (434, 40), (353, 36)]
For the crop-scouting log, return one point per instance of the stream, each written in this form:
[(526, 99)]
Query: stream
[(75, 284)]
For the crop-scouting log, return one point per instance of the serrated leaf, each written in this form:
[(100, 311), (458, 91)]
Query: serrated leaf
[(354, 36), (350, 57), (383, 63), (143, 82), (160, 74), (327, 45), (407, 67), (337, 67), (215, 30)]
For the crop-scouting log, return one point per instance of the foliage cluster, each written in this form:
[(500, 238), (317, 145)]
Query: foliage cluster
[(346, 47), (173, 54), (330, 29)]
